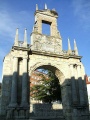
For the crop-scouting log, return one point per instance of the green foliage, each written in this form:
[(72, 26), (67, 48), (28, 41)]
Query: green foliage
[(49, 90)]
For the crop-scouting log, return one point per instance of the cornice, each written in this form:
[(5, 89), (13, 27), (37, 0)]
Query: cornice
[(55, 55)]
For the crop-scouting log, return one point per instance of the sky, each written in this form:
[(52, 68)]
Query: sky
[(73, 23)]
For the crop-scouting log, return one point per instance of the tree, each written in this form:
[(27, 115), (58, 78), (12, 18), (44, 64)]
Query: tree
[(49, 90)]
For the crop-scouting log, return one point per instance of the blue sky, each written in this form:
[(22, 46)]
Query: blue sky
[(73, 22)]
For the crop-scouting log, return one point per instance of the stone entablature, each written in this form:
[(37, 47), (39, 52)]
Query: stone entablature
[(64, 54)]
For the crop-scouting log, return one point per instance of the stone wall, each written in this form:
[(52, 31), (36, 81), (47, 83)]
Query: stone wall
[(46, 43), (6, 83), (46, 111), (55, 106)]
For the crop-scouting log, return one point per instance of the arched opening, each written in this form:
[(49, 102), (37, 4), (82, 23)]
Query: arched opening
[(52, 98)]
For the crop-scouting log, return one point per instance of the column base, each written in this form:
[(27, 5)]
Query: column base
[(17, 113), (24, 113), (24, 105)]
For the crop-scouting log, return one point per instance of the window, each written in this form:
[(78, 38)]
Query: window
[(35, 77), (32, 76), (46, 27), (88, 79)]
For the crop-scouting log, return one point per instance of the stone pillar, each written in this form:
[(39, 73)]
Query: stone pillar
[(13, 102), (80, 84), (24, 101), (85, 93), (39, 26), (73, 86), (54, 28)]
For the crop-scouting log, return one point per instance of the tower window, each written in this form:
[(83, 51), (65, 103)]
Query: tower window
[(46, 28)]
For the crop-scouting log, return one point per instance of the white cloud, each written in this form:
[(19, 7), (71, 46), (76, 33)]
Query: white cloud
[(82, 11)]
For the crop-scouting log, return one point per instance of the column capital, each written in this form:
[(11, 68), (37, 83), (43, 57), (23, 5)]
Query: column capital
[(25, 57), (70, 64), (75, 65), (15, 57), (79, 65)]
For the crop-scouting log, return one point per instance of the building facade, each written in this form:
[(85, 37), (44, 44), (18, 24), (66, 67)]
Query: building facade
[(36, 79), (43, 52)]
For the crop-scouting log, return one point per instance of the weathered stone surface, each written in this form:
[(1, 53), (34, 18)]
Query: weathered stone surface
[(44, 51)]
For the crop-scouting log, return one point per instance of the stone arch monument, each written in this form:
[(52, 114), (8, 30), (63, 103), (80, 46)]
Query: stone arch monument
[(46, 51)]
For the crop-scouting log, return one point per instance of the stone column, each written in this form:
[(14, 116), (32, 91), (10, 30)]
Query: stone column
[(39, 26), (13, 102), (24, 101), (85, 92), (73, 85), (80, 84)]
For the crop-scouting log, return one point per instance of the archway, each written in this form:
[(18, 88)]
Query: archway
[(55, 107), (51, 66)]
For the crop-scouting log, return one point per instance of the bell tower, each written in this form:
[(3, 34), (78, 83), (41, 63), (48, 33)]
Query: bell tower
[(41, 42)]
